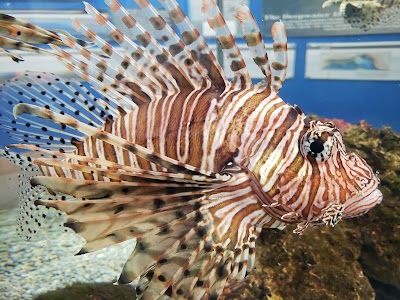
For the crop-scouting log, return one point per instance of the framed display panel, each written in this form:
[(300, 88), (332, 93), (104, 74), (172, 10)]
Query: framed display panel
[(310, 18), (353, 61)]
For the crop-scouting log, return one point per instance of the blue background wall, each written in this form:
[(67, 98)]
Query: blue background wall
[(377, 102)]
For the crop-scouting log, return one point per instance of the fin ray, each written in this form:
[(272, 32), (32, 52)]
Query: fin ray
[(119, 73), (174, 45), (31, 217), (107, 85), (195, 43), (252, 35), (280, 61), (150, 45), (232, 53), (8, 43)]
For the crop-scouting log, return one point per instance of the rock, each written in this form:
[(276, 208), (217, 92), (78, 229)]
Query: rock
[(380, 235), (320, 264), (380, 228)]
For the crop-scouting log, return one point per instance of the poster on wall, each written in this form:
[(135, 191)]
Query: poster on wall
[(332, 17), (353, 61)]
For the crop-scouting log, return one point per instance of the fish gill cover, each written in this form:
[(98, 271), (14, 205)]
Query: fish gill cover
[(172, 154)]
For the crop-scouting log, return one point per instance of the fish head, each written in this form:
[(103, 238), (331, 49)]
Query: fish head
[(338, 184)]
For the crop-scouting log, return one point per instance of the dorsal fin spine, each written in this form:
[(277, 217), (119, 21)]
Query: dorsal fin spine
[(232, 53), (134, 28), (196, 43), (29, 35), (131, 67), (279, 64), (146, 64), (252, 35), (108, 69), (172, 42), (103, 87), (152, 46), (12, 20)]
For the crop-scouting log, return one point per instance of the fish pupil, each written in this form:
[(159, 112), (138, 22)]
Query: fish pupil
[(317, 146)]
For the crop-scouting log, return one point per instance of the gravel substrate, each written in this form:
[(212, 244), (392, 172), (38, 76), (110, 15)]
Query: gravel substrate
[(31, 268)]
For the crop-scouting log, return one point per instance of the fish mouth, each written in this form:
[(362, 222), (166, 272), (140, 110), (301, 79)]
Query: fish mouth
[(362, 202), (367, 183)]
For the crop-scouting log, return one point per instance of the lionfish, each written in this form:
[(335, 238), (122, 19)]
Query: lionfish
[(366, 14), (162, 148)]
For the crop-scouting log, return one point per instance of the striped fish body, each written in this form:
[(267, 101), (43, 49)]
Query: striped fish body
[(206, 128), (191, 165)]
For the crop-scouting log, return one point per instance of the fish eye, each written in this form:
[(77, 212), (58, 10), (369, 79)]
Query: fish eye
[(318, 144)]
